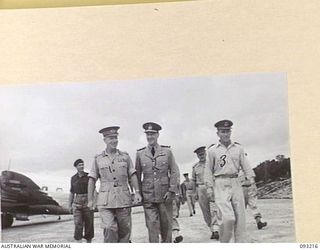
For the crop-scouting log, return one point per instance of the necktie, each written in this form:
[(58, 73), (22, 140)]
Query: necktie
[(152, 151)]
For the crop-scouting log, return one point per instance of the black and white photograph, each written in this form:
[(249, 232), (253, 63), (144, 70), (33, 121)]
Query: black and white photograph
[(202, 159)]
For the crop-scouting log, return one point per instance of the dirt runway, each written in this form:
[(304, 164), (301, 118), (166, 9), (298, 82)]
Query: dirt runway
[(278, 214)]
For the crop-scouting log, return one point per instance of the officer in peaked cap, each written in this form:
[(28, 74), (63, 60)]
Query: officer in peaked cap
[(223, 164), (209, 209), (224, 125), (115, 170), (159, 185), (200, 150), (151, 127), (110, 131)]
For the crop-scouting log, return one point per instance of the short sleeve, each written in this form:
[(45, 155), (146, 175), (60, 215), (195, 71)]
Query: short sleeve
[(194, 174), (94, 172), (131, 169), (71, 187)]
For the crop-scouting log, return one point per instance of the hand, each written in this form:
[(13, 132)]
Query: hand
[(246, 183), (71, 210), (169, 196), (90, 205), (252, 181), (137, 198), (196, 197)]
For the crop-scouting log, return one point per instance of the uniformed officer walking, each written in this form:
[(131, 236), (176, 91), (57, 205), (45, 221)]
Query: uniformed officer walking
[(223, 163), (250, 193), (78, 204), (115, 170), (210, 215), (189, 192), (157, 166)]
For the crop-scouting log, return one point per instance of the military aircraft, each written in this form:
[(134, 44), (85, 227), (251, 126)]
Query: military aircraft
[(21, 198)]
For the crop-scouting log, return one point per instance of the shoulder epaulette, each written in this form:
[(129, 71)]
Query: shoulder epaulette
[(141, 149), (101, 154), (123, 152), (211, 145), (163, 146)]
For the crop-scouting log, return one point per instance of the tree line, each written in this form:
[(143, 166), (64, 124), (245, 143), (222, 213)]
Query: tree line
[(273, 170)]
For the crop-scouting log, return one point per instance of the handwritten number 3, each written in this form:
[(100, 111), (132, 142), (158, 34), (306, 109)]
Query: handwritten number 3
[(222, 160)]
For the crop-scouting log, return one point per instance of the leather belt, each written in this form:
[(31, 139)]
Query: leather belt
[(227, 176)]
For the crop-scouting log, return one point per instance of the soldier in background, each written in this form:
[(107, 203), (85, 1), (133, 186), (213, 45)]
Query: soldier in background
[(158, 175), (115, 170), (189, 193), (179, 200), (78, 204), (209, 211)]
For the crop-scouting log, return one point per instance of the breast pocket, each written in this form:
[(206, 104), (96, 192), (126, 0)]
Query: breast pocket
[(146, 164), (123, 169), (162, 162), (103, 170)]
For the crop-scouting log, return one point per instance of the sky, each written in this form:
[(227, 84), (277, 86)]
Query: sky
[(45, 128)]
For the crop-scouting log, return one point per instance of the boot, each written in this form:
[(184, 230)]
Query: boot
[(215, 235), (260, 224)]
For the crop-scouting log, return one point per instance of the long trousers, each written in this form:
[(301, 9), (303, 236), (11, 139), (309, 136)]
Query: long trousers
[(116, 224), (159, 221), (83, 219), (230, 202), (209, 210)]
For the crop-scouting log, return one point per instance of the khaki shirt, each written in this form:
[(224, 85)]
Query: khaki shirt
[(198, 173), (222, 161), (157, 174), (189, 185), (114, 172)]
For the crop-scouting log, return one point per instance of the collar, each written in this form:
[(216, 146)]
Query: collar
[(105, 153), (84, 174), (156, 147), (221, 145)]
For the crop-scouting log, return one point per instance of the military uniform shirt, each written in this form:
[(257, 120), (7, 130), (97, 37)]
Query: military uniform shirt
[(222, 161), (79, 185), (189, 185), (160, 173), (198, 173), (113, 172)]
